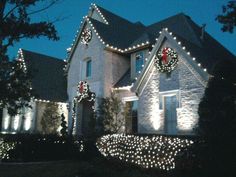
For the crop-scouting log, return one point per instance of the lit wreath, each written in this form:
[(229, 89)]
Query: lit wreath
[(166, 60), (86, 36)]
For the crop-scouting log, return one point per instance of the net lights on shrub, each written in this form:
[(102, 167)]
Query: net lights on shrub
[(145, 151), (5, 147)]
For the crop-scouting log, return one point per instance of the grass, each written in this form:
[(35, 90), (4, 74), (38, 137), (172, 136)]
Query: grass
[(95, 167)]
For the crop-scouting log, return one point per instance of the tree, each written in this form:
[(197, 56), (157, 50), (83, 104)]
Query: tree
[(16, 24), (228, 17), (51, 119), (64, 128), (110, 112), (217, 122)]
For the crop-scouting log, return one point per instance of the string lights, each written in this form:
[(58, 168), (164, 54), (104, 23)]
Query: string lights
[(161, 60), (20, 58), (128, 49), (82, 92), (5, 147), (145, 151)]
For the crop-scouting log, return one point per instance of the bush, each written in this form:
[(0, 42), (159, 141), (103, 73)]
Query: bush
[(42, 148), (154, 151)]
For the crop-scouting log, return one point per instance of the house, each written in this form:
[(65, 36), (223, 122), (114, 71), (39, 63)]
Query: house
[(160, 70), (49, 86)]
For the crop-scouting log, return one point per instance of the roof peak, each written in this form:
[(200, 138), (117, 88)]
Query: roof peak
[(37, 53), (107, 12)]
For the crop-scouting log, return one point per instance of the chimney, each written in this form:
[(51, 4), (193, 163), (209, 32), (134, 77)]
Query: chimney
[(203, 31)]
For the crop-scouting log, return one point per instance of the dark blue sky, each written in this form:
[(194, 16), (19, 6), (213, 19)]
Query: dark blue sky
[(146, 11)]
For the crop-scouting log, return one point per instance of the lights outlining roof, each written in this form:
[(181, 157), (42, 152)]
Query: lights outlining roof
[(48, 101), (104, 19), (115, 48), (107, 45), (20, 57), (165, 30)]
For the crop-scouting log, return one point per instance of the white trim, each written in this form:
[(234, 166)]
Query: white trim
[(164, 34), (164, 94), (123, 88), (131, 98)]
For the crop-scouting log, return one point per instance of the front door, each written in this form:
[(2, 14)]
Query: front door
[(87, 113), (170, 115)]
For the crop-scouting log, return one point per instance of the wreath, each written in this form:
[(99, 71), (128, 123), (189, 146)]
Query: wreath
[(86, 36), (166, 60), (82, 90)]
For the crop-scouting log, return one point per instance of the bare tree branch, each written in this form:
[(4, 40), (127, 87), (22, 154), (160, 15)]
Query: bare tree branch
[(11, 11), (44, 8)]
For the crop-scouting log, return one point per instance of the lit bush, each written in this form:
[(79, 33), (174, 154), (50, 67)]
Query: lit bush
[(5, 147), (42, 148), (145, 151)]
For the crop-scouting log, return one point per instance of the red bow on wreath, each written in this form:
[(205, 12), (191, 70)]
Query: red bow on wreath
[(81, 87), (164, 55)]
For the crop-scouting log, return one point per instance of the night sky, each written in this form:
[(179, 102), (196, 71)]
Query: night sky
[(145, 11)]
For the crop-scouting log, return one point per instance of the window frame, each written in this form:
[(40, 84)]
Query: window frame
[(138, 68), (88, 71)]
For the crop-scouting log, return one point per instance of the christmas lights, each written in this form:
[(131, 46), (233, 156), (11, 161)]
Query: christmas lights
[(166, 60), (5, 147), (20, 58), (86, 36), (83, 92), (146, 151)]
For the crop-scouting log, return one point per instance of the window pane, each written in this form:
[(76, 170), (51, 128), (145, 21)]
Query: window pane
[(89, 68), (139, 61), (132, 115)]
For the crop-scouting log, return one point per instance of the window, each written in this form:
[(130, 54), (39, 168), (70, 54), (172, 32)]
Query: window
[(139, 61), (89, 68), (132, 116)]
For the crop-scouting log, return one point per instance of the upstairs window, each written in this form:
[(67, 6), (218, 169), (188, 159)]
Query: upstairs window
[(89, 68), (139, 61)]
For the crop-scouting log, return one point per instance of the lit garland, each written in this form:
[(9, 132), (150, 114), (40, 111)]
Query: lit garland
[(86, 36), (5, 147), (83, 92), (161, 60), (148, 152)]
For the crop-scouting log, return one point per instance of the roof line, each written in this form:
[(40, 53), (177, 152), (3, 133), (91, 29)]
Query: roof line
[(164, 33), (100, 13)]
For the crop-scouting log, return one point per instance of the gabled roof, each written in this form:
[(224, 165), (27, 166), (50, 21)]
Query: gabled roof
[(123, 32), (123, 36), (48, 78)]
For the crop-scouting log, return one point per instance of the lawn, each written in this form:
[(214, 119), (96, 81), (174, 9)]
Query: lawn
[(96, 167)]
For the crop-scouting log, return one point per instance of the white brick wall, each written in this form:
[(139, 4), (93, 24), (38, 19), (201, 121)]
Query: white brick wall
[(107, 69), (185, 83)]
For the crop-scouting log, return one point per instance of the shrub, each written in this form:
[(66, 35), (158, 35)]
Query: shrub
[(146, 151), (42, 148)]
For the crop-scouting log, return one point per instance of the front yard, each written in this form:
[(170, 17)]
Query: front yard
[(142, 156), (96, 167)]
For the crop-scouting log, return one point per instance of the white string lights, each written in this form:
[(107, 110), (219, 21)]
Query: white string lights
[(5, 147), (145, 151), (82, 92), (104, 19), (20, 58), (131, 48), (183, 47)]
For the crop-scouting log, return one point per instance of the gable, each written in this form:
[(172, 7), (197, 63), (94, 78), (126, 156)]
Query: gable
[(48, 78), (166, 39)]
